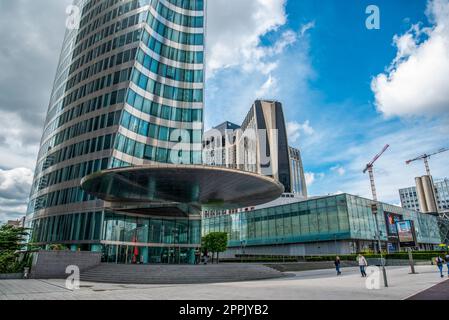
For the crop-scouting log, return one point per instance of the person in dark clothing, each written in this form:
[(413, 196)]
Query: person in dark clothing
[(337, 263), (447, 263), (439, 261)]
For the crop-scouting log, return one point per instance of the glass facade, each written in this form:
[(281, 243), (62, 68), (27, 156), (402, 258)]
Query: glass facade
[(128, 91), (333, 218)]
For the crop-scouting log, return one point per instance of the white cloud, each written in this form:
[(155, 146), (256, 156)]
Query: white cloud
[(268, 88), (417, 81), (235, 29), (390, 171), (15, 187), (310, 178), (18, 141), (339, 170), (306, 27), (15, 183), (295, 129)]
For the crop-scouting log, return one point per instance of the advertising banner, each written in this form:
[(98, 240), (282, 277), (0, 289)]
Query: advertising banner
[(406, 233)]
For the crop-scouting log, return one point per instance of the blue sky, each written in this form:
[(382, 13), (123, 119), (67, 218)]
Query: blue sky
[(346, 90), (324, 79)]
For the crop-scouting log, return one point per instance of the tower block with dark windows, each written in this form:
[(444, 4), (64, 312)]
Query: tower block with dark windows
[(119, 166)]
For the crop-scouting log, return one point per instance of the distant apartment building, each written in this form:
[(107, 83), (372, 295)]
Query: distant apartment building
[(297, 172), (259, 145), (410, 197), (19, 223)]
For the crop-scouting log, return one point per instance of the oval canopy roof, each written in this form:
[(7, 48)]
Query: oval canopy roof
[(207, 186)]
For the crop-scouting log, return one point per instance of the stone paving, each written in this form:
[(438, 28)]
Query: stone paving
[(310, 285)]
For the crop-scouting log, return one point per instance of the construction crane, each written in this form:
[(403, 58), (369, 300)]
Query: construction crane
[(369, 168), (374, 209), (426, 157)]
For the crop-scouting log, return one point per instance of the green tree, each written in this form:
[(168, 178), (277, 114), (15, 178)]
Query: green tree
[(11, 240), (215, 242)]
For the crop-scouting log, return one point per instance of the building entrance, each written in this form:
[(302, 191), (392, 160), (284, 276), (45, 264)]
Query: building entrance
[(128, 254)]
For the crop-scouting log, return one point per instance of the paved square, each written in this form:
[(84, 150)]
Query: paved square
[(306, 285)]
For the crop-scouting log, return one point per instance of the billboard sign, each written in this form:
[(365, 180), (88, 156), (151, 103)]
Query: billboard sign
[(406, 233), (391, 219)]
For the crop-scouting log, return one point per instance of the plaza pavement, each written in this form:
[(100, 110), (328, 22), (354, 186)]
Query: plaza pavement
[(306, 285)]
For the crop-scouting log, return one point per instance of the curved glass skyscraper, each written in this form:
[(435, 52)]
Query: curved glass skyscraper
[(128, 91)]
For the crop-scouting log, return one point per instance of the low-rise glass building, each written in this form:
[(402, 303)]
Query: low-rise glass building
[(338, 224)]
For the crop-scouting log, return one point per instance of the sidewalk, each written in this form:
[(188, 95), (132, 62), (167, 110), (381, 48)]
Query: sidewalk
[(307, 285), (438, 292)]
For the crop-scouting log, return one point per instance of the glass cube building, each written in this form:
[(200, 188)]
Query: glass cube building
[(339, 224), (128, 91)]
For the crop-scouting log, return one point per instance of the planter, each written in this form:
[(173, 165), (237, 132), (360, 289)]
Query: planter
[(10, 276)]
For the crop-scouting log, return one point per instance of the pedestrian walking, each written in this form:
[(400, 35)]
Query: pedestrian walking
[(362, 264), (337, 263), (447, 263), (439, 261)]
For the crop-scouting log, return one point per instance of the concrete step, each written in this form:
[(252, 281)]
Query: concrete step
[(178, 274)]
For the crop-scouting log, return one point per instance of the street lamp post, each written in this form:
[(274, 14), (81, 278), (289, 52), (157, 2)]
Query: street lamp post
[(374, 210), (242, 248)]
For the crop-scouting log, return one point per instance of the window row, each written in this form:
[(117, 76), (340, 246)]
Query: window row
[(102, 65), (177, 18), (109, 99), (74, 150), (84, 226), (166, 91), (96, 103), (160, 133), (169, 72), (87, 126), (194, 57), (157, 154), (194, 5), (193, 39), (61, 197), (107, 31), (86, 30), (107, 47), (251, 226), (150, 230), (96, 7), (162, 111), (96, 85), (79, 170)]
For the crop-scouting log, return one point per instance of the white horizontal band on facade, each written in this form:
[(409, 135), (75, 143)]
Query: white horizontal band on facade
[(169, 62), (162, 122), (173, 44), (186, 12), (171, 145), (132, 160), (166, 81), (160, 100), (174, 26)]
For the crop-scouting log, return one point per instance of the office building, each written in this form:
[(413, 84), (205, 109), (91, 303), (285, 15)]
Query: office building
[(339, 224), (259, 145), (411, 199), (128, 92)]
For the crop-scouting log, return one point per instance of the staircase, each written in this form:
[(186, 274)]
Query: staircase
[(178, 274)]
